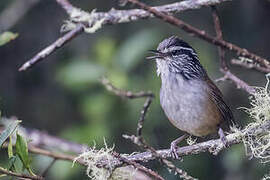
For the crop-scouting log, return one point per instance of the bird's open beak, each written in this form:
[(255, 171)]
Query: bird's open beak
[(157, 54)]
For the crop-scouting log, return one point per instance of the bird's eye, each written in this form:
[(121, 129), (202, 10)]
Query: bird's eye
[(176, 52)]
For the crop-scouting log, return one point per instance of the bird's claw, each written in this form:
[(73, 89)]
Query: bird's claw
[(223, 138), (224, 141), (174, 153), (173, 149)]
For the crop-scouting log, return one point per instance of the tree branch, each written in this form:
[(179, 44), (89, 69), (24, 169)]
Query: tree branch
[(202, 34), (19, 175), (57, 156), (71, 158), (221, 51), (146, 106), (40, 138), (122, 93), (240, 84), (66, 6), (140, 141), (234, 138), (250, 65), (124, 16), (138, 166), (54, 46), (45, 172), (224, 68), (212, 146)]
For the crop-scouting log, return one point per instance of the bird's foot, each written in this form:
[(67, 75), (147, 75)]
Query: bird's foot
[(173, 150), (223, 138), (174, 153)]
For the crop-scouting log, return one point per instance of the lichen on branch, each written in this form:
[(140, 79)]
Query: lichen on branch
[(258, 144), (78, 15), (92, 156)]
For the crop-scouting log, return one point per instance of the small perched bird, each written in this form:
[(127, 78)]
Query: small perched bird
[(189, 98)]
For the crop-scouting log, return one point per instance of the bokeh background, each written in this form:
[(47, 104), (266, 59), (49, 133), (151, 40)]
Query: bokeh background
[(63, 96)]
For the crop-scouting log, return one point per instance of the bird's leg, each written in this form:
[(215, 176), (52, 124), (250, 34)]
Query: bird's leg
[(223, 137), (174, 143)]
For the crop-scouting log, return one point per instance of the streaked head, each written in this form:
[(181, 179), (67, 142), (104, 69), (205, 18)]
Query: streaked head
[(174, 55)]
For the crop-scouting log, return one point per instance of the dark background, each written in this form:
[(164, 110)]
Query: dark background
[(62, 94)]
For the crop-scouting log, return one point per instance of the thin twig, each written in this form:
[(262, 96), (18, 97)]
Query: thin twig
[(221, 51), (120, 159), (36, 134), (211, 145), (250, 65), (45, 172), (39, 138), (66, 157), (182, 174), (19, 175), (154, 153), (240, 84), (66, 6), (138, 166), (214, 146), (140, 141), (234, 138), (224, 68), (146, 106), (59, 42), (123, 16), (201, 34), (54, 155), (123, 93), (54, 46)]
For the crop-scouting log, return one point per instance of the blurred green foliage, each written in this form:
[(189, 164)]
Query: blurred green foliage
[(79, 74), (20, 160), (82, 75), (6, 37), (22, 152), (11, 127)]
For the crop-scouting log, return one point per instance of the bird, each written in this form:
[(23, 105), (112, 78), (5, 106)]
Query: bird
[(188, 97)]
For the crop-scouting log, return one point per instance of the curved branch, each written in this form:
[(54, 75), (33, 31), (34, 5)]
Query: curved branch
[(114, 17), (202, 34), (60, 156), (122, 93), (212, 146), (250, 65), (223, 64), (51, 48), (240, 84), (124, 16), (19, 175)]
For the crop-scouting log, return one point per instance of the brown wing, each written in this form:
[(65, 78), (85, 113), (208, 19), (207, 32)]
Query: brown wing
[(217, 98)]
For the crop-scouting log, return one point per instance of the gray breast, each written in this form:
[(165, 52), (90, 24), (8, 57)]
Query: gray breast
[(187, 105)]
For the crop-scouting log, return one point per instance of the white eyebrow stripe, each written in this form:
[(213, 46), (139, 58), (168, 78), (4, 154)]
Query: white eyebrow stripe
[(179, 48), (174, 48), (187, 49)]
